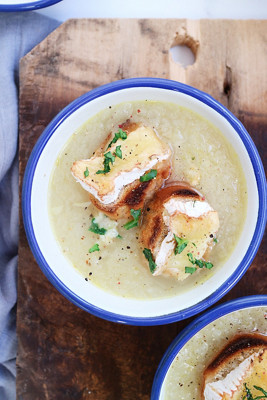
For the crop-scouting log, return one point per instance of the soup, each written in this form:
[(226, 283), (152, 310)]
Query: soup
[(201, 156), (185, 376)]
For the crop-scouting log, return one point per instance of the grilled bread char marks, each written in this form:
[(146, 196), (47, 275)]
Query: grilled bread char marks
[(242, 361), (142, 151), (181, 210), (154, 229)]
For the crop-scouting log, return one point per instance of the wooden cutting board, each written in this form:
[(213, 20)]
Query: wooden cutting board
[(64, 352)]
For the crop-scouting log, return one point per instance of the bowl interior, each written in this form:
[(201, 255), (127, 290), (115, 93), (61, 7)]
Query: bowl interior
[(48, 250), (205, 323)]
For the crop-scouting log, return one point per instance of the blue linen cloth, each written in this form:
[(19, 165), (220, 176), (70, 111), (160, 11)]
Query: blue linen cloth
[(19, 33)]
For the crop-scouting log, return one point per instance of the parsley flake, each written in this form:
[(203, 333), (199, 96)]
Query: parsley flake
[(95, 247), (190, 270), (108, 158), (150, 175), (191, 258), (118, 135), (96, 229), (131, 224), (118, 152), (152, 265), (181, 244), (249, 395), (86, 172), (199, 263), (208, 265), (261, 390), (215, 240)]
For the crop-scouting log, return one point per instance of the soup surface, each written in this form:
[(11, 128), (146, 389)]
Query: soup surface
[(201, 156), (184, 378)]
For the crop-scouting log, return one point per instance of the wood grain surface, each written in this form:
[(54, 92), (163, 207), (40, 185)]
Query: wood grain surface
[(64, 352)]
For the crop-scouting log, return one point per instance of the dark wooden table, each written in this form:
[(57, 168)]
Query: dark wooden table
[(64, 352)]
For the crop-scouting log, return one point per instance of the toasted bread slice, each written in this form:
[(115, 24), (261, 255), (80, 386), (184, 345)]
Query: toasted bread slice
[(178, 209), (243, 361), (120, 189)]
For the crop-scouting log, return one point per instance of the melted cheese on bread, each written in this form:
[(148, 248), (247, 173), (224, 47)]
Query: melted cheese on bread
[(141, 151), (178, 210), (193, 220), (252, 372)]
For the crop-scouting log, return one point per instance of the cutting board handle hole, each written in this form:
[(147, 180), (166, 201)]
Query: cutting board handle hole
[(183, 55)]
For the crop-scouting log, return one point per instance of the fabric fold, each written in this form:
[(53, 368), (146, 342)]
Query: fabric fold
[(19, 33)]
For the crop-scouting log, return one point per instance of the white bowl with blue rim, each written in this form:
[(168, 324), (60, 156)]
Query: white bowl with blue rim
[(22, 5), (160, 388), (47, 251)]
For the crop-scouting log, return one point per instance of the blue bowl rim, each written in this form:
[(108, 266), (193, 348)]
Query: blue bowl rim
[(161, 84), (27, 6), (193, 328)]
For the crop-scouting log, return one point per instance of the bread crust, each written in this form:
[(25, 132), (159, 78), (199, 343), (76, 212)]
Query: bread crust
[(153, 229), (241, 347), (136, 194)]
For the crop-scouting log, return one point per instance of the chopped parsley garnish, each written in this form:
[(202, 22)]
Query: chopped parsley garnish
[(108, 158), (208, 265), (181, 244), (215, 240), (151, 262), (190, 270), (95, 247), (249, 395), (118, 135), (86, 172), (118, 152), (191, 258), (261, 390), (150, 175), (131, 224), (95, 228), (199, 263), (119, 236)]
